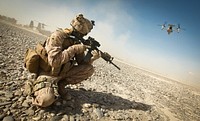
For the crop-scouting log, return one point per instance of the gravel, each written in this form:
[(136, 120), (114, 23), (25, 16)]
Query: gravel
[(130, 94)]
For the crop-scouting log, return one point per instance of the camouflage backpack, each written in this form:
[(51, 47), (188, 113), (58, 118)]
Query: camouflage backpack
[(43, 63), (36, 59), (31, 61)]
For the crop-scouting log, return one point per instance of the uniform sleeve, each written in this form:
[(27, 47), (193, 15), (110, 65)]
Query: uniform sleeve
[(72, 51), (66, 55), (56, 55)]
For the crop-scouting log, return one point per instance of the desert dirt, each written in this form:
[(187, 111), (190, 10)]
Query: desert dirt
[(129, 94)]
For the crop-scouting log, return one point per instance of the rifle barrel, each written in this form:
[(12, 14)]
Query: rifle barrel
[(114, 65), (108, 60), (82, 40)]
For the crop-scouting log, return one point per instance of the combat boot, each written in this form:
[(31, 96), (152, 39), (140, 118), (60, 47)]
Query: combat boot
[(63, 91)]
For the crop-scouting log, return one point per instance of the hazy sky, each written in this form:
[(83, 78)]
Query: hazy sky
[(128, 29)]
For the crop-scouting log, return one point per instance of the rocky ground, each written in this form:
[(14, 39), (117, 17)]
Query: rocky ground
[(130, 94)]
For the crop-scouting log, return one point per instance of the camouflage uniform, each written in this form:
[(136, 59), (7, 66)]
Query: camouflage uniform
[(66, 60)]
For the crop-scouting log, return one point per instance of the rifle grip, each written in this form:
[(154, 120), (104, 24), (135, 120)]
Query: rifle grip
[(88, 56)]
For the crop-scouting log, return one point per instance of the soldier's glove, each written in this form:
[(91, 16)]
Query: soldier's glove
[(96, 55)]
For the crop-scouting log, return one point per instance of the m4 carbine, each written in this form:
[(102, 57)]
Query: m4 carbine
[(93, 44)]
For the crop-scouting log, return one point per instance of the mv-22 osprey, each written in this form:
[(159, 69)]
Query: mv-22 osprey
[(171, 27)]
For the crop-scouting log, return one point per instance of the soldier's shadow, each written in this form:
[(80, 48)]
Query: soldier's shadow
[(99, 99)]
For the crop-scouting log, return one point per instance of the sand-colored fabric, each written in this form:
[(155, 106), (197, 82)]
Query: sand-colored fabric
[(57, 53), (63, 51), (31, 61), (44, 97), (43, 62), (77, 74), (44, 90)]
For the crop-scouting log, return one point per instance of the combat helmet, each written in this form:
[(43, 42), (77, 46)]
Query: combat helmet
[(82, 24)]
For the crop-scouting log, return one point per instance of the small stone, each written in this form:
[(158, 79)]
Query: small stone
[(71, 118), (14, 105), (52, 114), (71, 104), (6, 109), (106, 115), (9, 112), (95, 105), (18, 93), (84, 110), (67, 97), (37, 118), (64, 102), (41, 111), (23, 78), (23, 119), (25, 104), (98, 112), (13, 111), (2, 116), (29, 99), (8, 118), (9, 95), (87, 105), (32, 76), (58, 104), (65, 118), (21, 99), (15, 99), (56, 118), (77, 117), (30, 112)]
